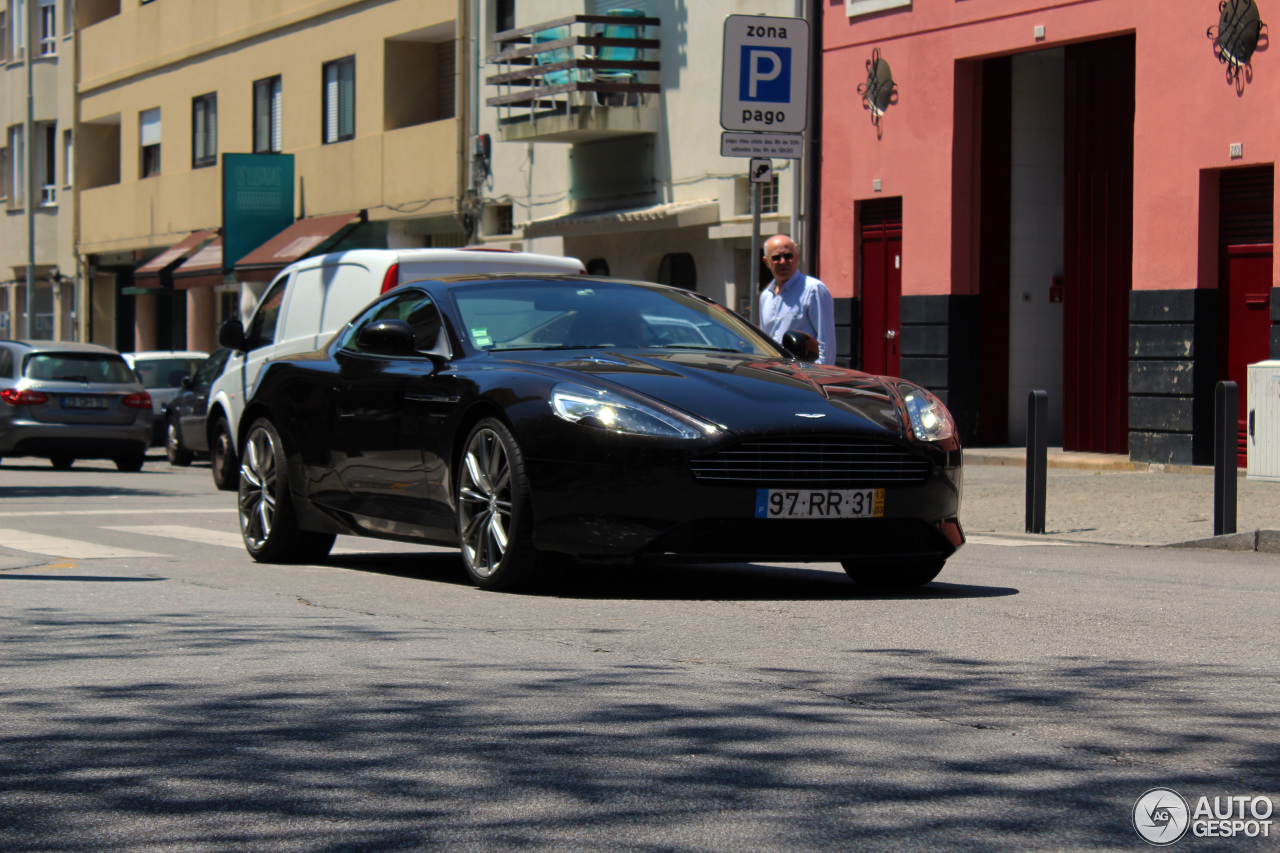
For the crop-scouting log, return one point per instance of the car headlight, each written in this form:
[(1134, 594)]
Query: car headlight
[(930, 420), (615, 413)]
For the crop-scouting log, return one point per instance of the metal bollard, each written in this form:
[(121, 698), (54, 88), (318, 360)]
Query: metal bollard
[(1037, 458), (1226, 415)]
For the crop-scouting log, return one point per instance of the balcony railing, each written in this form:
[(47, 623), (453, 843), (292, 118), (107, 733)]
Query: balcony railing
[(568, 79)]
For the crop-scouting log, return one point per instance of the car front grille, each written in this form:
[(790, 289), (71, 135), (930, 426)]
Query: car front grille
[(829, 463)]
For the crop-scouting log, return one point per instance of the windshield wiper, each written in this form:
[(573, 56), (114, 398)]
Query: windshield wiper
[(550, 347), (75, 378), (706, 347)]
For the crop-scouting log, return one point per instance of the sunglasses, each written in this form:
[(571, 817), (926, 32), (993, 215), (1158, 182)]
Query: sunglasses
[(781, 256)]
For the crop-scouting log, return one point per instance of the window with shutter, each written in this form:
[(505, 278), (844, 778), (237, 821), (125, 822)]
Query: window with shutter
[(266, 116), (149, 141), (204, 130), (339, 100)]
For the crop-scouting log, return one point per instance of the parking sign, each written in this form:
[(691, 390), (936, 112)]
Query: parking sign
[(765, 85)]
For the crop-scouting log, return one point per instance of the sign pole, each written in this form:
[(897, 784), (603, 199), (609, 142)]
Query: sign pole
[(754, 266)]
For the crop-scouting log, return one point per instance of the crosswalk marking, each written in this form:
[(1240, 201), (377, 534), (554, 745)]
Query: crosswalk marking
[(186, 534), (56, 546), (202, 536), (119, 511)]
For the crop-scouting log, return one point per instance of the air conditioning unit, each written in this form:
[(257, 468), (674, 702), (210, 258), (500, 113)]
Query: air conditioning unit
[(1264, 421)]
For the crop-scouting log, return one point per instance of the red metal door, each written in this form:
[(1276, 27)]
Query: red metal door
[(1098, 244), (881, 278), (1244, 336)]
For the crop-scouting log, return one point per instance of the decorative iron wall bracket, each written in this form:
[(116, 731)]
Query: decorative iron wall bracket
[(879, 92), (1238, 33)]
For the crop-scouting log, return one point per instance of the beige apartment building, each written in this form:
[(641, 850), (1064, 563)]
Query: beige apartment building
[(36, 165), (363, 99)]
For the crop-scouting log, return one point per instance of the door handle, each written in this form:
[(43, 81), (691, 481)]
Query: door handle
[(890, 335)]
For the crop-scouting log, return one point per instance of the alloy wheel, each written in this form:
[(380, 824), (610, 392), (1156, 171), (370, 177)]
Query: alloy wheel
[(258, 487), (485, 502)]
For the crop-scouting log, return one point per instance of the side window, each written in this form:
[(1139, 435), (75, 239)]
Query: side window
[(6, 364), (262, 328), (414, 307), (210, 370)]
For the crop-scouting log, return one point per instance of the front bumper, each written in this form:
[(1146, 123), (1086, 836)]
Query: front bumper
[(652, 507)]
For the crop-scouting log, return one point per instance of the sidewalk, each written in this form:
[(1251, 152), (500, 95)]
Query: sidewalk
[(1103, 498)]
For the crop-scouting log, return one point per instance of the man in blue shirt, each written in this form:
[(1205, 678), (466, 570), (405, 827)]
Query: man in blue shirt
[(795, 300)]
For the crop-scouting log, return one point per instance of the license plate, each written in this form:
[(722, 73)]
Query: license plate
[(84, 402), (819, 503)]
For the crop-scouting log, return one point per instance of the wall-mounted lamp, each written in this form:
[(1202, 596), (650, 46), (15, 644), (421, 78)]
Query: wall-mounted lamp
[(1236, 36), (879, 90)]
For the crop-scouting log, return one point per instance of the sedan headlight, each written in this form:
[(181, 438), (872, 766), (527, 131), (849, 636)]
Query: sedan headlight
[(930, 420), (615, 413)]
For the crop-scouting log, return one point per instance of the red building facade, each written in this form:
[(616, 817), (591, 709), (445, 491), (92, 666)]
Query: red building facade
[(1073, 196)]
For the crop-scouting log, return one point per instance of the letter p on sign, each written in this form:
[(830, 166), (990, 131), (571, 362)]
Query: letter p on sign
[(765, 74)]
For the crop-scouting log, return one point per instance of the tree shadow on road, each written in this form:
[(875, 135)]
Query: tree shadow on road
[(323, 733)]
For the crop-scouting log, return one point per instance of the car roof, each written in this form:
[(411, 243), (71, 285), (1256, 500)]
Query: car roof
[(478, 278), (63, 346), (173, 353), (465, 255)]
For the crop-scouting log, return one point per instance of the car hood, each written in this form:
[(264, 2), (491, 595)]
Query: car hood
[(737, 388)]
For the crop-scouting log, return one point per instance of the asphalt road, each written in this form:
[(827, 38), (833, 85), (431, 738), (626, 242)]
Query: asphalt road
[(159, 691)]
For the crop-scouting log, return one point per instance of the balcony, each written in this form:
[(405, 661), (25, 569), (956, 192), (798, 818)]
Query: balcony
[(577, 79)]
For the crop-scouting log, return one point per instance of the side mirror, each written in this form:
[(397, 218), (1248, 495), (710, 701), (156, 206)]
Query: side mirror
[(187, 383), (802, 345), (387, 337), (231, 335)]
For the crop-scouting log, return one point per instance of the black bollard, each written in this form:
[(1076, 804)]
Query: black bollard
[(1226, 437), (1037, 458)]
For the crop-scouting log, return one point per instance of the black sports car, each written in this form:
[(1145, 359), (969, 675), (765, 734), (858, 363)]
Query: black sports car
[(530, 419)]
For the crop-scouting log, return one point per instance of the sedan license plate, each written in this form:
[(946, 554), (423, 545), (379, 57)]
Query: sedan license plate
[(819, 503), (84, 402)]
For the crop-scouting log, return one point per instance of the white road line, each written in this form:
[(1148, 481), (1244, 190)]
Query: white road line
[(124, 510), (186, 534), (1016, 543), (56, 546), (203, 536)]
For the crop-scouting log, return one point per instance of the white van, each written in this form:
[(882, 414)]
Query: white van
[(311, 300)]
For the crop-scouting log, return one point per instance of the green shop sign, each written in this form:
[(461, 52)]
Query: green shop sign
[(257, 202)]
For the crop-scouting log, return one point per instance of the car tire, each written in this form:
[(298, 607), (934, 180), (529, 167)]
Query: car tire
[(268, 523), (222, 456), (906, 574), (62, 463), (173, 449), (132, 463), (495, 511)]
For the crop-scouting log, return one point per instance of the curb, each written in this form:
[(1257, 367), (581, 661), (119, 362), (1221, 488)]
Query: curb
[(1019, 460), (1262, 541)]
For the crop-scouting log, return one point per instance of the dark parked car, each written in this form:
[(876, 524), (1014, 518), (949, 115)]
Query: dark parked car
[(67, 401), (184, 432), (161, 373), (533, 418)]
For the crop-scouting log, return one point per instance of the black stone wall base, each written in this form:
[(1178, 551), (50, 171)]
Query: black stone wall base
[(1173, 365), (1275, 322), (848, 331), (938, 347)]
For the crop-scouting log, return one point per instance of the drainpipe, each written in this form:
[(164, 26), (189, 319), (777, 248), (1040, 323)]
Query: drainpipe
[(813, 142), (29, 132), (798, 167), (472, 205)]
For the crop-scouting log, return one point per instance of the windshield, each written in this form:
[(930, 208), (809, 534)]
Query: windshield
[(165, 372), (589, 313), (78, 367)]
